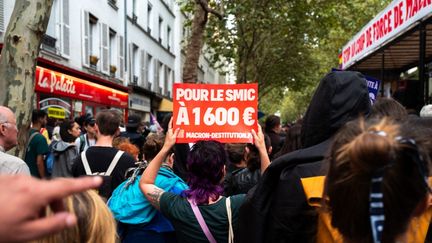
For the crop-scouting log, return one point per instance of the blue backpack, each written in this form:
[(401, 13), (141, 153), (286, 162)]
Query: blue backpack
[(49, 158)]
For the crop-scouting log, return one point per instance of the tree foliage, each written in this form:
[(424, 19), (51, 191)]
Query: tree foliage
[(286, 46)]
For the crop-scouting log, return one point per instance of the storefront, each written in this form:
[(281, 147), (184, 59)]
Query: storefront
[(66, 96), (143, 102), (397, 41), (165, 108), (140, 105)]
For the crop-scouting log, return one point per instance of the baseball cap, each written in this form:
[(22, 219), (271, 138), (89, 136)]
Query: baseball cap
[(89, 120)]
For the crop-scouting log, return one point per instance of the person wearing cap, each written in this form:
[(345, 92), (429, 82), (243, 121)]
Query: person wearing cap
[(88, 139), (134, 131)]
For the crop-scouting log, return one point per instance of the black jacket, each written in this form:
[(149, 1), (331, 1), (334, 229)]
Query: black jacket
[(276, 209), (241, 181)]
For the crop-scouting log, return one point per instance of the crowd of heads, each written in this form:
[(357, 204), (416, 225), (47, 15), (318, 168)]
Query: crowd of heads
[(379, 155)]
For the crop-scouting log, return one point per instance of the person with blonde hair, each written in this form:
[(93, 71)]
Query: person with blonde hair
[(95, 223)]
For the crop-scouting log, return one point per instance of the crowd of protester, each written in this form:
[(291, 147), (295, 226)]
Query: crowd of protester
[(347, 171)]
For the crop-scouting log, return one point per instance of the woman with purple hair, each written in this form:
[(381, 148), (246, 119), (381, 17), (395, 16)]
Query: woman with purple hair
[(201, 214)]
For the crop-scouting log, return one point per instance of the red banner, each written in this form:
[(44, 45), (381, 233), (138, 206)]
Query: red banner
[(52, 82), (225, 112)]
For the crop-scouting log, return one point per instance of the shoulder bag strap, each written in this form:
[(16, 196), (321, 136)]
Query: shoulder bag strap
[(114, 163), (28, 143), (201, 222), (229, 214), (31, 137), (85, 163)]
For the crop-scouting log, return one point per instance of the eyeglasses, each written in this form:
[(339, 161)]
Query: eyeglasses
[(12, 123)]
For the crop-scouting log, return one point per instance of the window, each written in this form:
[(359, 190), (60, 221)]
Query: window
[(51, 28), (121, 53), (160, 29), (56, 38), (149, 72), (166, 80), (49, 40), (134, 11), (135, 64), (161, 78), (113, 52), (149, 14), (93, 36), (169, 38)]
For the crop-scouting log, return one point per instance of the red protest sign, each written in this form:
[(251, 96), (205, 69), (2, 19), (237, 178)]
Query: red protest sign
[(222, 112)]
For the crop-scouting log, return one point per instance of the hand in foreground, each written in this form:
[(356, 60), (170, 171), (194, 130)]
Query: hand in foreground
[(23, 200), (171, 135), (258, 139)]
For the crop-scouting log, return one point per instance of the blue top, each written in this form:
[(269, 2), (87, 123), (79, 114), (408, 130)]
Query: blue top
[(129, 205)]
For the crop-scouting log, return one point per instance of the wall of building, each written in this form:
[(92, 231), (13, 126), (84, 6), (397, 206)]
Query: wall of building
[(146, 52)]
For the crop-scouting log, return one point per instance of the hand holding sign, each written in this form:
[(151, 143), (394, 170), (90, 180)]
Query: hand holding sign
[(215, 112), (259, 140), (171, 135)]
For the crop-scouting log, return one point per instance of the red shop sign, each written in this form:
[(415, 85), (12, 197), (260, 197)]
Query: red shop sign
[(52, 82)]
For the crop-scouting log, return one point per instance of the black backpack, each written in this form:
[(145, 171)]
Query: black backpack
[(106, 188)]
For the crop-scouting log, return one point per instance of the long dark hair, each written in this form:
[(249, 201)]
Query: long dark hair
[(292, 141), (205, 163), (64, 131)]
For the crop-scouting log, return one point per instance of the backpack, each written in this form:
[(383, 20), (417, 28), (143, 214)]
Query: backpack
[(313, 188), (105, 189), (49, 158), (82, 143)]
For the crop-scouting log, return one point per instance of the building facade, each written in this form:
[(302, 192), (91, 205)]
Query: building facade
[(109, 54)]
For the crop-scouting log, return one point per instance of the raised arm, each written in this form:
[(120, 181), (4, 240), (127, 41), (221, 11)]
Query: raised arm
[(259, 142), (147, 182)]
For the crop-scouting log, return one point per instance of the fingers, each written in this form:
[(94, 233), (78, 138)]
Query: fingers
[(254, 135), (170, 123), (60, 188), (176, 132), (46, 226)]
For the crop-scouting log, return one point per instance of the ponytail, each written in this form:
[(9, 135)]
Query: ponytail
[(371, 149), (376, 180)]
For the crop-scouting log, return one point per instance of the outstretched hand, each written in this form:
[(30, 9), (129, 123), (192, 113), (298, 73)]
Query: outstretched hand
[(23, 198), (171, 135), (259, 140)]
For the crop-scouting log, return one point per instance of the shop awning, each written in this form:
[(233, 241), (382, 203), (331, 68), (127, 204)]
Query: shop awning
[(391, 41), (166, 105), (399, 55)]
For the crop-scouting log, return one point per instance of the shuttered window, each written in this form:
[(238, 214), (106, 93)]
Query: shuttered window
[(85, 34), (65, 29), (121, 60)]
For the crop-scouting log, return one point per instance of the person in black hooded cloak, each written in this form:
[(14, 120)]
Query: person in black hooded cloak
[(276, 209)]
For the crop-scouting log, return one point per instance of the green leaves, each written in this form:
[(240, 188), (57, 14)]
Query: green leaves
[(286, 45)]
